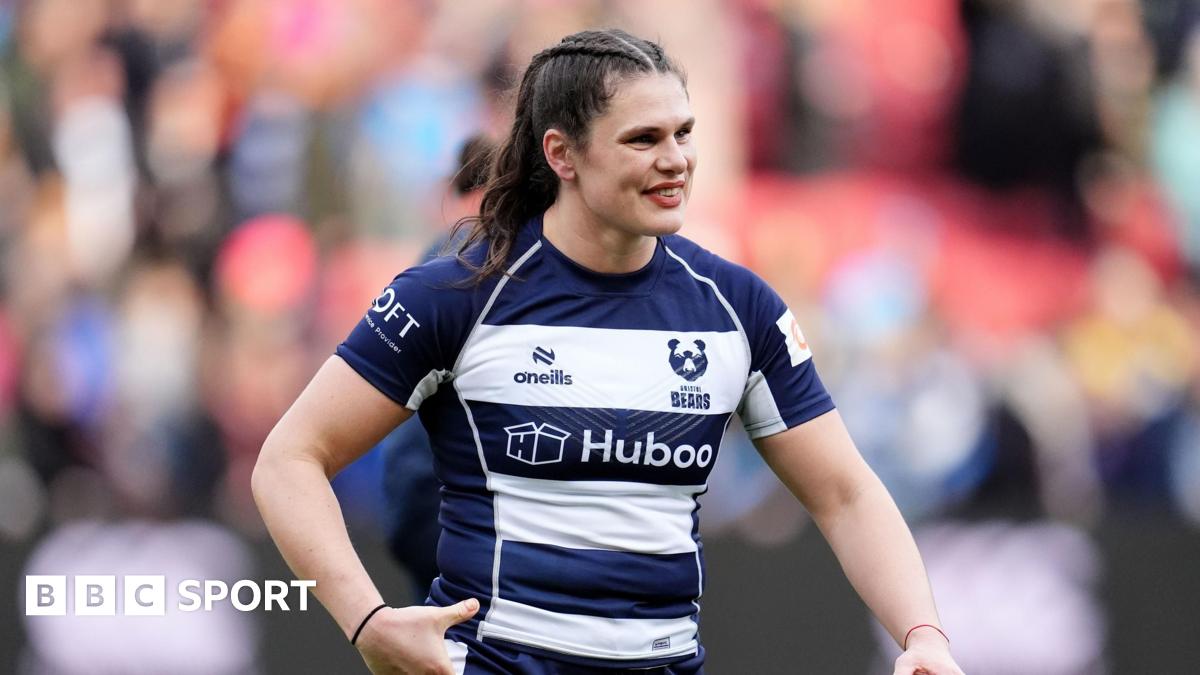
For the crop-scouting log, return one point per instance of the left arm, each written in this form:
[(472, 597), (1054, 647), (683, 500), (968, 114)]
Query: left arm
[(819, 463)]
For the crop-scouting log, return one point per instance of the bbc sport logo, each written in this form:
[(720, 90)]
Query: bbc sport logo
[(146, 595)]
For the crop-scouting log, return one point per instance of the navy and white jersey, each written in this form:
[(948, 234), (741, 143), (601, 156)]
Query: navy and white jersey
[(575, 417)]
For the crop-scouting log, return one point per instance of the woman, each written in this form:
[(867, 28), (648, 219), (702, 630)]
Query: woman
[(576, 367)]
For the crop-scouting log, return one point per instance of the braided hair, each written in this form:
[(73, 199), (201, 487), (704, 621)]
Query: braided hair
[(564, 87)]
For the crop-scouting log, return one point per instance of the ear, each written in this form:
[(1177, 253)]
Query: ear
[(557, 149), (700, 344), (672, 344)]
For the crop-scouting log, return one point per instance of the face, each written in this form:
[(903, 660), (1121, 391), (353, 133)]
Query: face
[(634, 174)]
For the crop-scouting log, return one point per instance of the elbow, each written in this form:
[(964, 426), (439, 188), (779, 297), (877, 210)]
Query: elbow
[(846, 497), (267, 467), (283, 461), (261, 476)]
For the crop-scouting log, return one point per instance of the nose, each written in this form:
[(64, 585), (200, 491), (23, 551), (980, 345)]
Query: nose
[(671, 160)]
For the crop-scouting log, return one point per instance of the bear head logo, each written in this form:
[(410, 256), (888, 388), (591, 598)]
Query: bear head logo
[(688, 359)]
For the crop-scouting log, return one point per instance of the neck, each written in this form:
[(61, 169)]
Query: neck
[(592, 244)]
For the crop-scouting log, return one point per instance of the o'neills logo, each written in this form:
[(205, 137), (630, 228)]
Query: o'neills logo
[(555, 376)]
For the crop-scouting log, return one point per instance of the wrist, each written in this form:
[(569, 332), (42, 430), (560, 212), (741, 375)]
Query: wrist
[(366, 618), (925, 634), (351, 612)]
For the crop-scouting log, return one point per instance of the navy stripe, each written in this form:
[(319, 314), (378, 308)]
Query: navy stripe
[(680, 302), (494, 655), (633, 434), (612, 584), (467, 546), (456, 461)]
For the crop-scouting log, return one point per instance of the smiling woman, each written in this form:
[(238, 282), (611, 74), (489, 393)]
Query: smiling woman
[(576, 366), (628, 180)]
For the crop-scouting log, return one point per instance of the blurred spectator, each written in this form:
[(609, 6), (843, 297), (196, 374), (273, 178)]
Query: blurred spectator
[(985, 214), (222, 641)]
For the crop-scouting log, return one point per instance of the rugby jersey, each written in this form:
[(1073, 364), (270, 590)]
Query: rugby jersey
[(575, 417)]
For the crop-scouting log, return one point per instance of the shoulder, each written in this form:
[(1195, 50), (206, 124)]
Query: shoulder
[(734, 281), (445, 276), (441, 294)]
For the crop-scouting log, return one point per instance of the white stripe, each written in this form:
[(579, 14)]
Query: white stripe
[(608, 368), (471, 418), (457, 652), (591, 636), (492, 299), (607, 515)]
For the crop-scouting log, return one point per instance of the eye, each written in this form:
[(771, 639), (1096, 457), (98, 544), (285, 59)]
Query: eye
[(683, 134), (643, 139)]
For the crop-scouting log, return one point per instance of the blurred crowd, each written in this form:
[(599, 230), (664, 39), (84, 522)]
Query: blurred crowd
[(985, 213)]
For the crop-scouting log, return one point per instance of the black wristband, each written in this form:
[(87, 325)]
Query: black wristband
[(364, 622)]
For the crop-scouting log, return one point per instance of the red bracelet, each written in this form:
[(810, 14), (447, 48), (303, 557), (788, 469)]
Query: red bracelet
[(923, 625)]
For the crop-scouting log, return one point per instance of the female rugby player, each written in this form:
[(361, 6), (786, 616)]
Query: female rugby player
[(576, 366)]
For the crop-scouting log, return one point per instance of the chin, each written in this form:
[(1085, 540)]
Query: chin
[(663, 225)]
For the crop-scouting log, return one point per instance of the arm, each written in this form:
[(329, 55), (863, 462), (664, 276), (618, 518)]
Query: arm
[(819, 463), (337, 418)]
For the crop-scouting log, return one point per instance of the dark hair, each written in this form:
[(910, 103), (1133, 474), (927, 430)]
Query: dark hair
[(564, 87), (473, 161)]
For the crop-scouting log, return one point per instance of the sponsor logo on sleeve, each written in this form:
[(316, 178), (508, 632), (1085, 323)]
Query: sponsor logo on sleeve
[(796, 345), (387, 306)]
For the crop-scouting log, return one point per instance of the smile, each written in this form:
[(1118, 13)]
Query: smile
[(666, 198)]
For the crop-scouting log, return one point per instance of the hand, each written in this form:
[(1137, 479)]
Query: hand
[(928, 653), (410, 640)]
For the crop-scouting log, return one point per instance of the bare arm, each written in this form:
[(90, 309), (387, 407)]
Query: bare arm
[(819, 463), (337, 418)]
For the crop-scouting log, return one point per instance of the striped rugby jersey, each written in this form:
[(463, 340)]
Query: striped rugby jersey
[(575, 417)]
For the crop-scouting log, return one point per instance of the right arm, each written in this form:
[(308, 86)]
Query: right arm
[(337, 418)]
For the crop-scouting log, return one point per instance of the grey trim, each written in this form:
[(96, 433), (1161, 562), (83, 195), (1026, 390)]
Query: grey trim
[(759, 413), (426, 388)]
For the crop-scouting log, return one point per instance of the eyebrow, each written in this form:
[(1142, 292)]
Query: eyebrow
[(637, 131)]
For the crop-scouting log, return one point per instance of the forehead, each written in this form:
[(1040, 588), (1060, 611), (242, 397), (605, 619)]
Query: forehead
[(657, 100)]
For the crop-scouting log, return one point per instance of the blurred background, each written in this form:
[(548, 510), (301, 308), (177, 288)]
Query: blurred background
[(986, 215)]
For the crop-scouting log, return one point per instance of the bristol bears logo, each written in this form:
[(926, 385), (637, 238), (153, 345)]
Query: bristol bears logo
[(688, 359)]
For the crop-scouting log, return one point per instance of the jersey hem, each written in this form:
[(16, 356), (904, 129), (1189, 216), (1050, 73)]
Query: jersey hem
[(555, 650)]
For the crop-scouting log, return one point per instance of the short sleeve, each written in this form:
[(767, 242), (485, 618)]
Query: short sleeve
[(408, 339), (782, 389)]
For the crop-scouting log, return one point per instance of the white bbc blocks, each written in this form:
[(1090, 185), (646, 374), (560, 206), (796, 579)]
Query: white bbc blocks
[(95, 595), (45, 595), (146, 595)]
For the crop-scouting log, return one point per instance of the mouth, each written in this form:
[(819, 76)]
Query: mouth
[(666, 195), (671, 189)]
